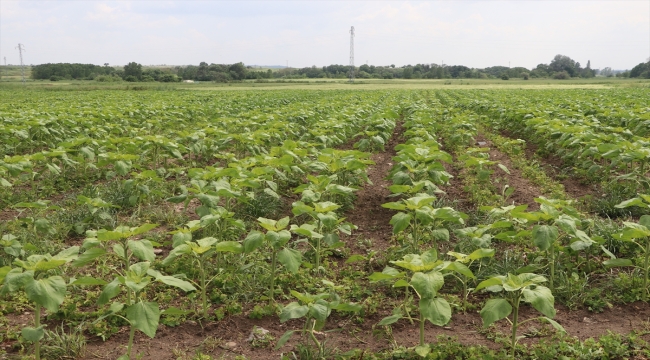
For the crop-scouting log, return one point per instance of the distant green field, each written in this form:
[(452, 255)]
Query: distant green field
[(11, 77)]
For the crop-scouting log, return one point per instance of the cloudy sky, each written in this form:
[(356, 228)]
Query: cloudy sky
[(305, 33)]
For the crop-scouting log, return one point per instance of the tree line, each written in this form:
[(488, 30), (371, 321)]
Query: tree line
[(560, 67)]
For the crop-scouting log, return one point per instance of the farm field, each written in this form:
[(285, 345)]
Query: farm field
[(468, 221)]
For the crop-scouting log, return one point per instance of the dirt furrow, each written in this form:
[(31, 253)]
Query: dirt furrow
[(368, 215)]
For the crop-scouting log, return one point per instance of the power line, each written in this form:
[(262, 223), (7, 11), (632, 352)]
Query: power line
[(352, 54), (21, 48)]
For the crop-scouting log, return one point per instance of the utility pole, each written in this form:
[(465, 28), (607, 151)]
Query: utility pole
[(352, 54), (21, 48)]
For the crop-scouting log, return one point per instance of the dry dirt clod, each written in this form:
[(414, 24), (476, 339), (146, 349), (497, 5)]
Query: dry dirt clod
[(230, 345)]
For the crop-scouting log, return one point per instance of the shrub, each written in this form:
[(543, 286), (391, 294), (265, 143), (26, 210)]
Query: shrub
[(561, 75), (505, 77)]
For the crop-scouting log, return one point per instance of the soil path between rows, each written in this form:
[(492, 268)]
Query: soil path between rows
[(372, 220), (553, 166), (525, 191), (227, 338)]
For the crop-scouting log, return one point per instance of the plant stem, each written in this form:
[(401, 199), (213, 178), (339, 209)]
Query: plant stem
[(421, 330), (131, 336), (515, 318), (204, 297), (318, 256), (313, 338), (552, 267), (645, 269), (37, 324), (127, 265), (272, 284)]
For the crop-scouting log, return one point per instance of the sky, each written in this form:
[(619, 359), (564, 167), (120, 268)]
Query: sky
[(477, 34)]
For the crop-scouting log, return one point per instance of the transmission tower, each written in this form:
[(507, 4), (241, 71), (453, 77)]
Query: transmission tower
[(352, 54), (21, 48)]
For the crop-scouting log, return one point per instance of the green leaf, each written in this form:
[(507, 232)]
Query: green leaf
[(111, 290), (400, 222), (394, 206), (180, 250), (284, 338), (436, 310), (172, 281), (427, 284), (282, 223), (618, 262), (495, 310), (544, 236), (43, 226), (142, 249), (15, 279), (388, 320), (632, 202), (645, 221), (174, 311), (144, 316), (143, 229), (422, 350), (493, 281), (3, 273), (253, 241), (229, 246), (293, 311), (68, 254), (268, 224), (88, 256), (439, 235), (33, 334), (324, 207), (481, 253), (88, 281), (48, 292), (290, 258), (541, 298), (555, 324), (181, 238)]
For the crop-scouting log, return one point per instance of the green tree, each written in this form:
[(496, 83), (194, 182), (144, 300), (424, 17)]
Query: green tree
[(564, 63), (133, 69)]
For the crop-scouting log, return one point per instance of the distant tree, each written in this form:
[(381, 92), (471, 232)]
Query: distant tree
[(563, 63), (505, 77), (525, 75), (133, 69), (407, 73), (640, 70), (607, 72)]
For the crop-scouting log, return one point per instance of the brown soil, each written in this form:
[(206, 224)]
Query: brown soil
[(525, 190), (552, 165), (368, 215), (227, 338)]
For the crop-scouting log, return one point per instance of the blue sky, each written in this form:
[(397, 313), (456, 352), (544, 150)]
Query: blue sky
[(306, 33)]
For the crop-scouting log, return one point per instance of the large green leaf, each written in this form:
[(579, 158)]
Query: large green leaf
[(495, 310), (48, 292), (142, 249), (544, 236), (111, 290), (68, 254), (436, 310), (88, 256), (427, 284), (293, 311), (229, 246), (541, 298), (33, 334), (400, 222), (15, 279), (253, 240), (290, 258), (144, 316)]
